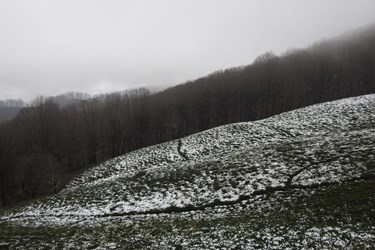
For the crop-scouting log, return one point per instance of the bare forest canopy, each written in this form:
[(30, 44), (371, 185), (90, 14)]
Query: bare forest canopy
[(45, 144)]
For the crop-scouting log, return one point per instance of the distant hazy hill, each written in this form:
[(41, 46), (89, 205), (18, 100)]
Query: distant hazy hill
[(8, 113), (9, 108), (301, 179), (69, 98)]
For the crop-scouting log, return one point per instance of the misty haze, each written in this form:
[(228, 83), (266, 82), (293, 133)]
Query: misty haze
[(241, 124)]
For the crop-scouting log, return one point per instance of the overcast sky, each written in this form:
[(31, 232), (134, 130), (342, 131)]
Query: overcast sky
[(50, 47)]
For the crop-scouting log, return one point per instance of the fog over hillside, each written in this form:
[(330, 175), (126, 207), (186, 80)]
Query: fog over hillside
[(51, 47)]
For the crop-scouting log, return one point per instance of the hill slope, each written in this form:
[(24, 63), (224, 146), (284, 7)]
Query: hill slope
[(304, 178)]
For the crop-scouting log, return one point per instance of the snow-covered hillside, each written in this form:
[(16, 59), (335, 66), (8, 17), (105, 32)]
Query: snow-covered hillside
[(233, 185)]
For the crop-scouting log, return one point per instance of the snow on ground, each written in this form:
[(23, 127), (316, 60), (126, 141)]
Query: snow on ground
[(222, 172)]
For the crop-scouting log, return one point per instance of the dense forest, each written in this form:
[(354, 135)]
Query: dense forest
[(45, 144)]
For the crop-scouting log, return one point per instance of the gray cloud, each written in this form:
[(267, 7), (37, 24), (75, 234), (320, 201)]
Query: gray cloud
[(49, 47)]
